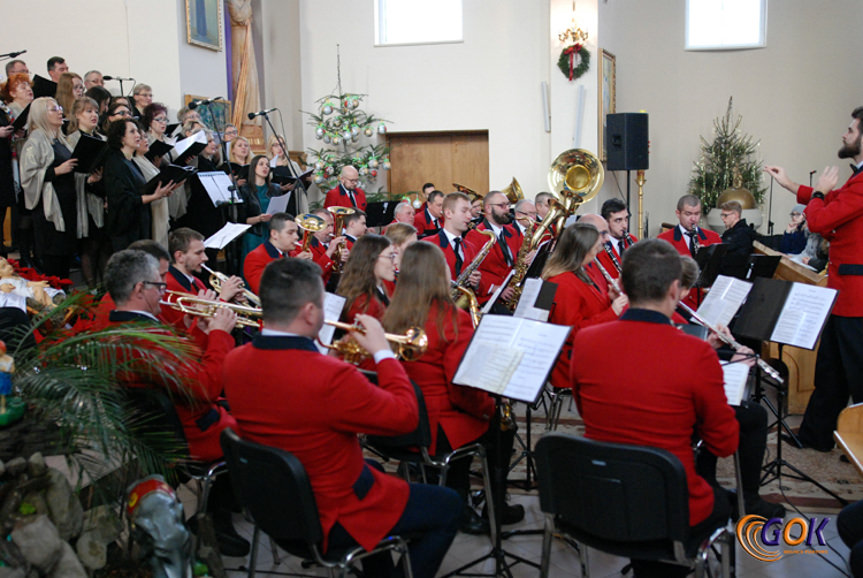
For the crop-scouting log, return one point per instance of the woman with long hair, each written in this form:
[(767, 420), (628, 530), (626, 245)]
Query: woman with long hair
[(256, 195), (457, 415), (370, 264), (94, 246), (578, 302), (69, 89), (49, 187)]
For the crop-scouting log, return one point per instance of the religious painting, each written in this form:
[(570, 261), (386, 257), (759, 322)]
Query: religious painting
[(215, 115), (607, 96), (204, 23)]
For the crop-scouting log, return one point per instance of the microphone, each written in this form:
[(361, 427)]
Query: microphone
[(196, 103), (109, 77), (12, 54), (262, 112)]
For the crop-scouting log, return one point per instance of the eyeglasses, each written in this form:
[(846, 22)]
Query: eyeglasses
[(392, 256), (122, 113), (57, 108), (160, 119), (499, 205), (795, 215), (160, 285), (725, 215)]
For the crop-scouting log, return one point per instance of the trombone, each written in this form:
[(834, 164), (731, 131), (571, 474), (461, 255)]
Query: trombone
[(199, 307), (409, 347), (217, 278)]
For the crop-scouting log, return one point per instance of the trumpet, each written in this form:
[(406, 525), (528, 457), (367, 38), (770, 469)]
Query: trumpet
[(217, 278), (200, 307), (409, 347)]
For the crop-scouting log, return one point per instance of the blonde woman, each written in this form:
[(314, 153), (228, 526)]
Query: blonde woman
[(49, 187), (69, 89)]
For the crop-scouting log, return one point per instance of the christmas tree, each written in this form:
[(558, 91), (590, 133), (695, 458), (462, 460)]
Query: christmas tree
[(731, 152), (346, 131)]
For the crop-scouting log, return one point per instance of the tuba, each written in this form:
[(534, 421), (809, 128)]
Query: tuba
[(576, 175), (309, 224), (465, 190), (513, 192)]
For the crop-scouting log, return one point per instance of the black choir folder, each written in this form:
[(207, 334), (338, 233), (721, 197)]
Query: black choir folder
[(785, 312), (511, 357), (90, 152)]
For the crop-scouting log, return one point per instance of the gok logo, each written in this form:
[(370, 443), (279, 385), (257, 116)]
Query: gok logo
[(763, 539)]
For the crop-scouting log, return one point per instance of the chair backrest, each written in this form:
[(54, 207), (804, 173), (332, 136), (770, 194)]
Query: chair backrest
[(419, 438), (614, 492), (273, 486)]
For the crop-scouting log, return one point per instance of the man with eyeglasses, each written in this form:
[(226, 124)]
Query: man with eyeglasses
[(16, 67), (500, 261), (347, 194), (93, 78), (738, 236)]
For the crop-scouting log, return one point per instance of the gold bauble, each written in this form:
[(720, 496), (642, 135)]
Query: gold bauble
[(742, 196)]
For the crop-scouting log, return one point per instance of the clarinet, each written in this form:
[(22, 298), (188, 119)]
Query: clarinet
[(614, 259), (611, 280)]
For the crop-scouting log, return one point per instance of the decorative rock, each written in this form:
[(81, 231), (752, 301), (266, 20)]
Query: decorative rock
[(68, 566), (36, 465), (39, 542), (9, 572), (64, 506), (2, 469), (16, 466), (101, 527)]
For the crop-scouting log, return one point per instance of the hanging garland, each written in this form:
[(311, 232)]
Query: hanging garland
[(566, 62)]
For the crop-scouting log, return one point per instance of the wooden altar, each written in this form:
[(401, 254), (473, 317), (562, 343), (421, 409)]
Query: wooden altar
[(800, 362)]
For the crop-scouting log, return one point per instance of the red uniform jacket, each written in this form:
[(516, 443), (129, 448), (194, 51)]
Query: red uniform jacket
[(424, 223), (578, 305), (681, 243), (462, 412), (316, 414), (177, 281), (374, 307), (839, 219), (339, 197), (203, 420), (470, 252), (319, 256), (610, 257), (255, 263), (648, 401), (494, 267), (598, 278)]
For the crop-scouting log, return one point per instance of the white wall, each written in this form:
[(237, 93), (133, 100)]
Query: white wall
[(141, 39), (795, 95)]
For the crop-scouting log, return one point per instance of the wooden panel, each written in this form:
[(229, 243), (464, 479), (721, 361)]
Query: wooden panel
[(849, 434), (441, 158)]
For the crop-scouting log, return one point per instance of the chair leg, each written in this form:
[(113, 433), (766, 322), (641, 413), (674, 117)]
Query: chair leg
[(583, 559), (253, 555), (489, 499), (275, 552), (547, 536)]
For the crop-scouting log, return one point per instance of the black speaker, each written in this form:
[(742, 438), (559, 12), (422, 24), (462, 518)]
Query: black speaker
[(626, 141)]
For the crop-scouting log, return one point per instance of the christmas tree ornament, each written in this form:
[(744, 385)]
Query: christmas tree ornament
[(319, 132), (382, 128), (368, 131)]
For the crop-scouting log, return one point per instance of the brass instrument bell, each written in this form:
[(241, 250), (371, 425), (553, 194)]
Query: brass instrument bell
[(466, 190), (409, 347), (513, 192), (576, 175), (339, 214), (309, 224)]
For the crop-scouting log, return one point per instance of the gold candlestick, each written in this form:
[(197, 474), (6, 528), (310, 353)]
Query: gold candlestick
[(640, 180)]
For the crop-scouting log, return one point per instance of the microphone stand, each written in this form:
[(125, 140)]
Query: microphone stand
[(232, 254), (299, 185), (770, 210)]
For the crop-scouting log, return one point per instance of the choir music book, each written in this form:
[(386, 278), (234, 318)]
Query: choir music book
[(169, 173), (158, 148), (511, 357), (240, 172), (190, 146), (218, 186), (785, 312), (225, 235), (44, 87), (90, 152), (20, 121), (723, 300), (283, 175)]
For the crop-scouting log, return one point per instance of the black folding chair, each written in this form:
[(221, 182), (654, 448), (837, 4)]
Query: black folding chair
[(273, 487), (626, 500)]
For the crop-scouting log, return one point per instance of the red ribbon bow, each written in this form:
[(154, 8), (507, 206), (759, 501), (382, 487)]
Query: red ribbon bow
[(572, 51)]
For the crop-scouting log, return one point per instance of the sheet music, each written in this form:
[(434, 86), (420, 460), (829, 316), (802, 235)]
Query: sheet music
[(803, 315), (734, 376), (333, 305), (502, 341), (723, 300), (497, 293), (217, 185), (183, 145), (278, 204), (225, 235), (526, 305)]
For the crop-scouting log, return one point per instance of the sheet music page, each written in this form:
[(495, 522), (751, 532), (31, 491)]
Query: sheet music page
[(496, 294), (735, 375), (333, 305), (278, 204), (803, 315), (723, 300), (525, 308), (489, 366), (217, 185), (225, 235), (541, 343), (182, 145)]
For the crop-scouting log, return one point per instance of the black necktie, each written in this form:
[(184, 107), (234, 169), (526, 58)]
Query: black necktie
[(693, 243), (504, 248), (458, 260), (621, 247), (351, 197), (855, 169)]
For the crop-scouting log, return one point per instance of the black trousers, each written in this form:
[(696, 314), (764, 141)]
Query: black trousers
[(850, 526), (838, 375)]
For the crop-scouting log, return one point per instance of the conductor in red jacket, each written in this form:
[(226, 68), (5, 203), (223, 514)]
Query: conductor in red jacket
[(837, 215), (317, 413), (648, 401), (347, 194)]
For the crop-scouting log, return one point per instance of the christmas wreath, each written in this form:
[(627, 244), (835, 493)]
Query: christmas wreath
[(566, 62)]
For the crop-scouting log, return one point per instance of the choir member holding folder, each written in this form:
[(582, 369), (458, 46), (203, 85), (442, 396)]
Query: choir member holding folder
[(458, 415), (256, 195)]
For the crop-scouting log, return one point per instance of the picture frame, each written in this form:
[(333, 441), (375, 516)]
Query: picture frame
[(204, 23), (214, 116), (607, 96)]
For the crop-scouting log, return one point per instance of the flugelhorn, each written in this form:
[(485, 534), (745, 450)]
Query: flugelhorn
[(339, 214), (309, 224), (217, 278), (409, 347), (199, 307)]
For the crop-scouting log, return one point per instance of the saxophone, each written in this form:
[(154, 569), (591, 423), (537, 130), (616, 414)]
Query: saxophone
[(521, 266), (464, 276)]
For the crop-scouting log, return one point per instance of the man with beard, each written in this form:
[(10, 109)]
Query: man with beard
[(347, 194), (500, 261), (836, 214)]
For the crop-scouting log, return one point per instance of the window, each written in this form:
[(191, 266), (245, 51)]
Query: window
[(417, 21), (725, 24)]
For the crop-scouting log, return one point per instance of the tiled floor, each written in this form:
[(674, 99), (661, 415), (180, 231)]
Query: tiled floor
[(564, 560)]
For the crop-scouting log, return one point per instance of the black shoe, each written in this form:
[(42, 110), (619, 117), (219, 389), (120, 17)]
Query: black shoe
[(804, 444), (511, 514), (472, 523), (765, 509), (229, 542)]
